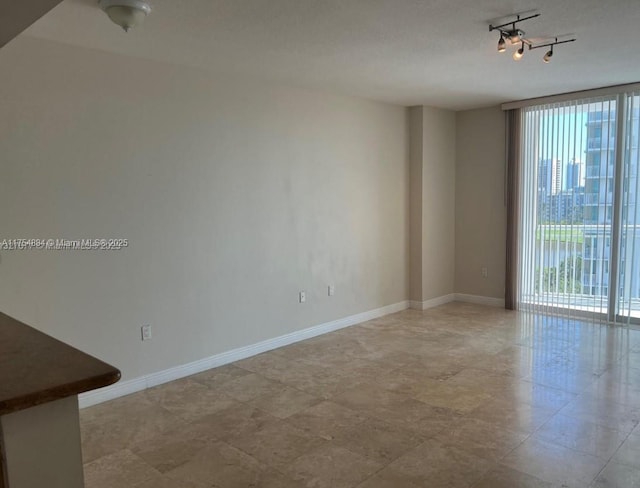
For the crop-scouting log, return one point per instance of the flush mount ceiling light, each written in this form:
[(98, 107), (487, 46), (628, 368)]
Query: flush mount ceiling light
[(516, 36), (125, 13)]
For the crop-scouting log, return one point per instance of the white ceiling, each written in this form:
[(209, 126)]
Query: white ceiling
[(410, 52)]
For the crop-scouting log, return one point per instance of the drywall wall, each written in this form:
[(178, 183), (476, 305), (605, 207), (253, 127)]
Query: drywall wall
[(480, 215), (432, 170), (415, 212), (234, 195), (438, 202)]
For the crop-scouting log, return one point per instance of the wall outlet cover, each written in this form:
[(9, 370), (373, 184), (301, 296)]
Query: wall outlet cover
[(145, 332)]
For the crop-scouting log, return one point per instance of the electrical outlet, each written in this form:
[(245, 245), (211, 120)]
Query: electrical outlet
[(485, 272), (145, 332), (331, 290), (303, 296)]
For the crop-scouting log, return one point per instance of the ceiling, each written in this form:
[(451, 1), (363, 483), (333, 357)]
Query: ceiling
[(16, 17), (409, 52)]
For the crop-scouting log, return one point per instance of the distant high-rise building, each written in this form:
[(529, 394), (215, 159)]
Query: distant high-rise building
[(550, 176), (599, 201), (574, 176)]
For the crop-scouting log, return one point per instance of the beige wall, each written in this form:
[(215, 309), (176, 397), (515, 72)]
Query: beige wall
[(234, 196), (438, 202), (433, 152), (480, 216), (415, 211)]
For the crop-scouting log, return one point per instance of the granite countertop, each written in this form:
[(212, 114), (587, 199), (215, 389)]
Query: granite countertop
[(36, 368)]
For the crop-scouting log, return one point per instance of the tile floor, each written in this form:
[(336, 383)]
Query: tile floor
[(457, 396)]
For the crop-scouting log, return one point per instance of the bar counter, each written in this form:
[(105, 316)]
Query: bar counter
[(40, 379)]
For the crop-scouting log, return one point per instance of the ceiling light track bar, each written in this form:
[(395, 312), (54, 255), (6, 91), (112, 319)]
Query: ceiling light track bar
[(550, 44), (512, 23)]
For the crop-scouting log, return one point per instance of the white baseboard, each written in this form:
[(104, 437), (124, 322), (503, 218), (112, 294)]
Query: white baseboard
[(433, 302), (138, 384), (480, 300)]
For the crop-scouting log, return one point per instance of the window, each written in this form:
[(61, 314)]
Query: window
[(569, 246)]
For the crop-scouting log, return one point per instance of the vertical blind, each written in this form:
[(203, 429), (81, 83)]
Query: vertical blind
[(578, 208), (628, 300)]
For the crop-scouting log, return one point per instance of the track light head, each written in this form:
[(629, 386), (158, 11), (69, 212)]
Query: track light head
[(515, 36), (547, 57), (517, 56), (502, 45)]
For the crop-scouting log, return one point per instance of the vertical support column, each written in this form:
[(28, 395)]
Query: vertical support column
[(42, 446), (3, 470), (618, 194)]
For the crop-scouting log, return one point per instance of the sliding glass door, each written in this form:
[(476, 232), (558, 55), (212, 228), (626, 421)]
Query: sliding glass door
[(579, 208), (628, 286)]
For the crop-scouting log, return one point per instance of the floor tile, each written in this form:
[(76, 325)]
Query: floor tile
[(122, 423), (189, 400), (331, 466), (398, 409), (554, 464), (629, 452), (285, 403), (581, 435), (603, 411), (216, 377), (326, 419), (378, 440), (537, 395), (121, 468), (512, 416), (231, 422), (514, 361), (618, 476), (503, 477), (250, 387), (276, 444), (223, 466), (461, 398), (388, 479), (438, 465), (168, 451), (616, 391), (161, 482), (481, 438)]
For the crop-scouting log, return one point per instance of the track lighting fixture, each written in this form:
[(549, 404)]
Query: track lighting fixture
[(511, 31), (516, 36), (549, 54), (501, 45), (517, 56)]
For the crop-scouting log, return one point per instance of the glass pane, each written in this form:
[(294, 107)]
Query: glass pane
[(629, 275), (568, 158)]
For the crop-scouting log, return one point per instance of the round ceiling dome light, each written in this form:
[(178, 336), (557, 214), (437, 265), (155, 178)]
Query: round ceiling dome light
[(125, 13)]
